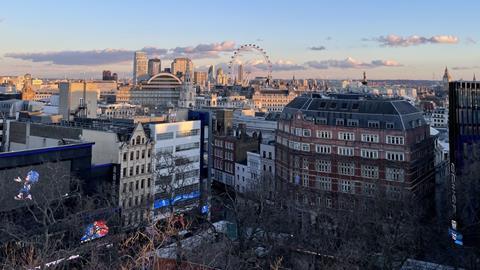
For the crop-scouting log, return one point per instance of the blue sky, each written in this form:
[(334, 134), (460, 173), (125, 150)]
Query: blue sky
[(388, 39)]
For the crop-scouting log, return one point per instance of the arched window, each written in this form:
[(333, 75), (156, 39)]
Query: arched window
[(138, 139)]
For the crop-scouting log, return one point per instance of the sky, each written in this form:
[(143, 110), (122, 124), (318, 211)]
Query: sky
[(306, 39)]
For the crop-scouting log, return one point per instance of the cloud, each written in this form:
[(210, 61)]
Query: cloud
[(328, 38), (350, 62), (465, 67), (112, 56), (286, 65), (399, 41), (1, 20), (317, 48), (470, 40)]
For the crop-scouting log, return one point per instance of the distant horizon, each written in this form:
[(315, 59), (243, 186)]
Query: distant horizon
[(389, 40)]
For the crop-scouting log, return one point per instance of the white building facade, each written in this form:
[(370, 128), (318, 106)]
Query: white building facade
[(177, 167)]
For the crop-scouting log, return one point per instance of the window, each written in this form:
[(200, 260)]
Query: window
[(164, 136), (138, 154), (143, 153), (324, 183), (187, 146), (352, 122), (328, 203), (395, 140), (298, 131), (346, 168), (124, 172), (142, 185), (323, 149), (321, 121), (389, 125), (373, 124), (286, 128), (339, 122), (130, 186), (296, 145), (124, 187), (218, 143), (395, 174), (136, 185), (143, 168), (149, 167), (124, 156), (346, 136), (323, 134), (369, 153), (346, 186), (131, 171), (371, 138), (393, 192), (369, 171), (307, 133), (229, 155), (345, 151), (305, 181), (395, 156), (131, 155), (323, 166), (369, 189), (306, 147), (187, 133), (229, 145), (137, 169), (149, 152)]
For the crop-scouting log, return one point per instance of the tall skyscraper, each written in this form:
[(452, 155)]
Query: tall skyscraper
[(179, 67), (200, 78), (106, 75), (464, 139), (240, 74), (211, 74), (154, 66), (139, 66)]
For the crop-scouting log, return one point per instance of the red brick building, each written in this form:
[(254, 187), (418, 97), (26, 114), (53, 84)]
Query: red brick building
[(335, 150)]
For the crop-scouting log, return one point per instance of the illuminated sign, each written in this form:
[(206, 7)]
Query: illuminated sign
[(97, 229), (182, 197)]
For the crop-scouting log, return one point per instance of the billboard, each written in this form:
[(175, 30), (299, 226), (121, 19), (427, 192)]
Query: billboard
[(94, 230), (41, 183)]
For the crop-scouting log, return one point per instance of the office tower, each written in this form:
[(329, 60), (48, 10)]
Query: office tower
[(154, 67), (240, 75), (464, 140), (179, 67), (115, 77), (211, 74), (139, 66), (106, 75), (200, 78), (222, 78), (335, 150)]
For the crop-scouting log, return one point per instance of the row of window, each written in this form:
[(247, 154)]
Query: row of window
[(350, 136), (138, 170), (347, 186), (136, 154), (347, 151), (342, 122), (348, 168), (139, 184)]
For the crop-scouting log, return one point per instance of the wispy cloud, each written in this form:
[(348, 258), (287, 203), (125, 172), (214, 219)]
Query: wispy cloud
[(350, 62), (112, 56), (470, 40), (317, 48), (465, 67), (399, 41), (328, 38)]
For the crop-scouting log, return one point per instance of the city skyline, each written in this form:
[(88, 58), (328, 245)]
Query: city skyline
[(308, 40)]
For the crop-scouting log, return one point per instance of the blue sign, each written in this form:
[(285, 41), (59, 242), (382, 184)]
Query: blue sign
[(182, 197), (456, 236), (205, 209)]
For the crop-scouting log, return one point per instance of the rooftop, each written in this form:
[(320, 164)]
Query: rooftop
[(364, 108)]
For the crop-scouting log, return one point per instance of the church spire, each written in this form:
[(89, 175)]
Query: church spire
[(364, 81), (446, 75)]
